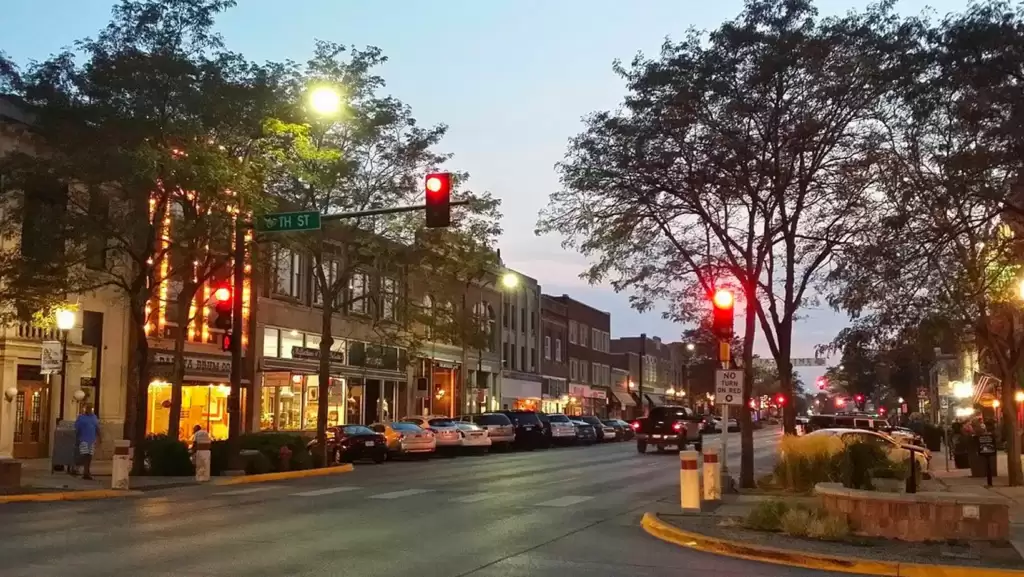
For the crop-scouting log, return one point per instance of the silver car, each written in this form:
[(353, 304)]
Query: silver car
[(562, 430), (499, 427), (446, 432)]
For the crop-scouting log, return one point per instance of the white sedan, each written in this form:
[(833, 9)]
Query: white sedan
[(474, 437), (446, 431)]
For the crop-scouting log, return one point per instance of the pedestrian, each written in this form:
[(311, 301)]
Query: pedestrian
[(199, 436), (87, 434)]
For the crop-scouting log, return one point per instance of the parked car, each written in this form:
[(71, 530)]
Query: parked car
[(563, 432), (710, 425), (348, 443), (733, 426), (585, 432), (904, 435), (446, 432), (499, 427), (473, 437), (623, 432), (669, 427), (897, 451), (529, 429), (604, 432), (405, 439)]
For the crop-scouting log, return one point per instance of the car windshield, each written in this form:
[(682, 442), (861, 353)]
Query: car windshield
[(356, 430), (670, 413), (558, 418), (491, 419), (407, 427), (441, 423)]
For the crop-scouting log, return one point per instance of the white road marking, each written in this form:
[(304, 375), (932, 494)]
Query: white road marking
[(400, 494), (566, 501), (328, 491), (473, 498), (245, 491)]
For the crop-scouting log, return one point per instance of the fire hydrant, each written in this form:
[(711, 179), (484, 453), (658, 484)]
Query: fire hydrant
[(285, 457)]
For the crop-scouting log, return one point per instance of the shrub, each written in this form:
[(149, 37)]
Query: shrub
[(270, 445), (167, 457), (829, 528), (301, 460), (257, 463), (795, 522), (218, 457), (767, 516), (859, 460), (806, 461)]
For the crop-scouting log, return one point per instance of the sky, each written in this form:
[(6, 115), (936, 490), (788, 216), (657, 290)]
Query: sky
[(511, 78)]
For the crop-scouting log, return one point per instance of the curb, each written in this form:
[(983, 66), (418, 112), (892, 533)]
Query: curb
[(654, 526), (285, 475), (67, 496)]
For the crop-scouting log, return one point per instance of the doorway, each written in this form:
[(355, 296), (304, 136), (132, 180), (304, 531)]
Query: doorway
[(31, 420)]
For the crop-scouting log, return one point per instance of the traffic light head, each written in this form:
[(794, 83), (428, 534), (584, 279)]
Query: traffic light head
[(439, 195), (780, 400), (859, 398), (822, 383), (223, 308), (723, 314)]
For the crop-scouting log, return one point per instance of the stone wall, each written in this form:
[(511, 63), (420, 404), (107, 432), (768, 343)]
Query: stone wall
[(918, 516)]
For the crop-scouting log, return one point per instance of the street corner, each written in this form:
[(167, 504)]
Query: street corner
[(656, 525), (285, 475), (54, 496)]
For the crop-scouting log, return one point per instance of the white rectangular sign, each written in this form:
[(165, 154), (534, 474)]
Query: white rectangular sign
[(50, 357), (799, 362), (729, 387)]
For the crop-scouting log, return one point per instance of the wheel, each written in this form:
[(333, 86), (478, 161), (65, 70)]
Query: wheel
[(641, 447), (337, 456), (379, 457)]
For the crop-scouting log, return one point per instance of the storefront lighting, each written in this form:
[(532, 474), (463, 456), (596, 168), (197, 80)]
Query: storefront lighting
[(632, 385), (962, 412), (1019, 396), (297, 379), (995, 404), (565, 398), (671, 392), (962, 389), (901, 401)]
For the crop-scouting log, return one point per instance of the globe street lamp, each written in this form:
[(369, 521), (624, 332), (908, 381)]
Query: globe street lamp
[(325, 100), (65, 322), (509, 280)]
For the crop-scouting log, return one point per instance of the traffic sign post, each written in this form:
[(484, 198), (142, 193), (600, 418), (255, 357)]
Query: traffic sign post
[(728, 393), (288, 221)]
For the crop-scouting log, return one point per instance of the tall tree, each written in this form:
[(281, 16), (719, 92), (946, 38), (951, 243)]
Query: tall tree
[(148, 118)]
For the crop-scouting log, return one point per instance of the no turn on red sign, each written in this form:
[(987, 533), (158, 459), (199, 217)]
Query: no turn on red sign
[(729, 387)]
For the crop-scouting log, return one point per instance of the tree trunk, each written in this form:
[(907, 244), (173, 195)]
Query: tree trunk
[(785, 367), (184, 303), (137, 429), (746, 425), (463, 373), (324, 378), (1008, 403)]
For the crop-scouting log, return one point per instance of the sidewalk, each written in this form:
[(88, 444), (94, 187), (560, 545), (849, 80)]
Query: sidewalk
[(36, 476), (960, 481)]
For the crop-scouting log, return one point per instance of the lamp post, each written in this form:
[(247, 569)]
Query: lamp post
[(65, 322), (509, 282)]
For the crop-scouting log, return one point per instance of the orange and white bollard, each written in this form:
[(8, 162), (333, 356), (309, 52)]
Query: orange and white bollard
[(712, 475), (689, 481)]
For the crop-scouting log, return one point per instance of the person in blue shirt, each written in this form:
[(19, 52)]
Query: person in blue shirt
[(87, 434)]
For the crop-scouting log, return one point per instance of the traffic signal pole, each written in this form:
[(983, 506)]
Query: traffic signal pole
[(235, 395)]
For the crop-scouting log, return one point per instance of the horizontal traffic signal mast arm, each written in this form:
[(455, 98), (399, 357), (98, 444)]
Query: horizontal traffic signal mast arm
[(375, 211)]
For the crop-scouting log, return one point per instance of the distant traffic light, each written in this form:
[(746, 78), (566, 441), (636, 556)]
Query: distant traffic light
[(822, 383), (780, 400), (722, 317), (859, 399), (439, 196), (223, 308)]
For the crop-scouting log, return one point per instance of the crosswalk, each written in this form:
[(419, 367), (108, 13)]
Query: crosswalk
[(475, 497)]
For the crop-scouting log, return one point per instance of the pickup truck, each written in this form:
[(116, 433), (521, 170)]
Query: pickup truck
[(669, 427)]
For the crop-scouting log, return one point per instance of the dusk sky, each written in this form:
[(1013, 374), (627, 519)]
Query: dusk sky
[(511, 78)]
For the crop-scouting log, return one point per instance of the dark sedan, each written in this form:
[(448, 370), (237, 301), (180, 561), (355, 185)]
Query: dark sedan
[(623, 432), (585, 432), (348, 443)]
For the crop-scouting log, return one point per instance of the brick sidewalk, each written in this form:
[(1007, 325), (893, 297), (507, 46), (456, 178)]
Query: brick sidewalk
[(36, 474)]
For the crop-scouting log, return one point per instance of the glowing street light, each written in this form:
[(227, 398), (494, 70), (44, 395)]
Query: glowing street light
[(65, 319), (325, 100), (510, 280), (690, 347), (65, 322)]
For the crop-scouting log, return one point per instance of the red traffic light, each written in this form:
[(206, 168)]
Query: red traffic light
[(438, 205), (722, 315), (223, 294), (859, 398), (723, 299), (822, 383), (780, 400)]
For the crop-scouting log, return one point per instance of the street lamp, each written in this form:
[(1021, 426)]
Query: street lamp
[(690, 347), (325, 100), (509, 280), (65, 322)]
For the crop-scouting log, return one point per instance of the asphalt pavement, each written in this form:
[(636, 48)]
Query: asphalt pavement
[(562, 512)]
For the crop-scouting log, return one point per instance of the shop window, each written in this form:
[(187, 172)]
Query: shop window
[(271, 338), (202, 404), (335, 402), (290, 339)]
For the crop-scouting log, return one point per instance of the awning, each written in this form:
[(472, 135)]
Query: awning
[(655, 400), (624, 399)]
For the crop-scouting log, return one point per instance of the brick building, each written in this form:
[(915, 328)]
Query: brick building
[(657, 380), (589, 354), (554, 362)]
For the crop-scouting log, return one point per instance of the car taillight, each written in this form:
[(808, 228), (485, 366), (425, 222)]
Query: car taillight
[(677, 426), (635, 425)]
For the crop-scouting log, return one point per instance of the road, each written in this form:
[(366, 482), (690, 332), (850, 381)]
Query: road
[(563, 512)]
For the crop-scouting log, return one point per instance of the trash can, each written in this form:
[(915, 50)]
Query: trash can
[(65, 450)]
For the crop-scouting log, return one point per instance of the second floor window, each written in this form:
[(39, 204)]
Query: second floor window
[(572, 331), (558, 349), (330, 269), (357, 293), (388, 298), (573, 369), (288, 273), (547, 348)]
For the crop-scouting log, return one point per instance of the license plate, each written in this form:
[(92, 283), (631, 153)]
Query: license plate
[(656, 436), (369, 443), (527, 428)]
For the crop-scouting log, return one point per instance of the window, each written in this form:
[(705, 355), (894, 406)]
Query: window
[(533, 322), (504, 315), (504, 356), (572, 331), (357, 293), (533, 359), (547, 348), (522, 319), (270, 342), (583, 372), (290, 340), (96, 245), (331, 271), (595, 339), (558, 350), (573, 369), (512, 365), (513, 315), (288, 273), (584, 329), (389, 298), (522, 358)]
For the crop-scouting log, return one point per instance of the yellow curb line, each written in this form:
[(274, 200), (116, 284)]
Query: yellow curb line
[(698, 542), (284, 475), (67, 496)]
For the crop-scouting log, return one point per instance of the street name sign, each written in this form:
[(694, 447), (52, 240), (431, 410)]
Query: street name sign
[(288, 221), (799, 362), (729, 387)]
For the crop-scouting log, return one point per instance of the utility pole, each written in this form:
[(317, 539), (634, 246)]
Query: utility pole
[(640, 379)]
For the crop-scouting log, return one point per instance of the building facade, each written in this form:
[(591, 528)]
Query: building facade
[(589, 357), (521, 382), (554, 362), (648, 362)]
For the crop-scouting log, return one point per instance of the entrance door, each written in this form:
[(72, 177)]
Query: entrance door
[(31, 420)]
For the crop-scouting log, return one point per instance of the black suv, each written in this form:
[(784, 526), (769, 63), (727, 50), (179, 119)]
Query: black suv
[(530, 430)]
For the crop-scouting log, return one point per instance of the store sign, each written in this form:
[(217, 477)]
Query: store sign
[(196, 365), (308, 354), (596, 394), (579, 390), (50, 357)]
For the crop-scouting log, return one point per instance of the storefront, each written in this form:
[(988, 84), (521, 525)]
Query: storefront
[(204, 395), (519, 391), (599, 402), (587, 400), (622, 405), (366, 384)]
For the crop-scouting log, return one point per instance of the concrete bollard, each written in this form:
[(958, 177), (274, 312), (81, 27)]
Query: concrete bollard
[(122, 465), (689, 481), (712, 475), (202, 461)]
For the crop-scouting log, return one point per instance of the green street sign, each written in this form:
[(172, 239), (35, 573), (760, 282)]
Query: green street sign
[(288, 221)]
